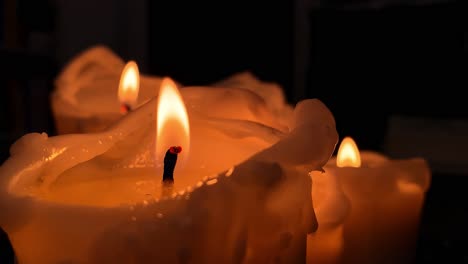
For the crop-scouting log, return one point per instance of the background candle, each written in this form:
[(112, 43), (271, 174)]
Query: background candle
[(84, 198), (85, 98), (386, 200), (86, 94), (270, 92)]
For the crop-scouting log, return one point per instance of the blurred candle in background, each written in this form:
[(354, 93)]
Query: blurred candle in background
[(95, 87), (386, 199)]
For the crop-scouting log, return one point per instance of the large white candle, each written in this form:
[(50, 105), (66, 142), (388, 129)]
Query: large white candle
[(95, 198)]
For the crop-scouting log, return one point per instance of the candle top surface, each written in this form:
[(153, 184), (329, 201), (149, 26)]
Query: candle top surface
[(117, 166)]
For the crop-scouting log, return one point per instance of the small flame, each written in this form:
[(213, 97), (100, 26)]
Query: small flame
[(172, 126), (129, 84), (348, 154)]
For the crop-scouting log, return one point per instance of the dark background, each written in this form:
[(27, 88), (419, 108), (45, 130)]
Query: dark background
[(367, 60)]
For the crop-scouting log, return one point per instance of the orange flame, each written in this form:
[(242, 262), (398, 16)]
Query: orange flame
[(348, 154), (172, 126), (129, 84)]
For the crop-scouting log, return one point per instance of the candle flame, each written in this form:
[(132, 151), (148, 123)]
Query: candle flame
[(172, 126), (348, 154), (129, 84)]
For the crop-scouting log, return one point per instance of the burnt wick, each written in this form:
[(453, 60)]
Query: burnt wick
[(170, 160), (125, 108)]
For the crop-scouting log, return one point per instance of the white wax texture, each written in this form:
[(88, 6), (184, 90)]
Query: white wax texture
[(94, 198)]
